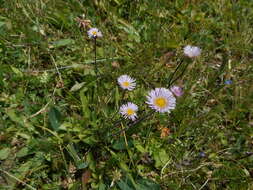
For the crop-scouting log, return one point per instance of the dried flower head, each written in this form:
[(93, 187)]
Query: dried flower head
[(161, 100), (129, 110), (192, 51), (94, 33), (165, 132), (126, 82), (83, 23)]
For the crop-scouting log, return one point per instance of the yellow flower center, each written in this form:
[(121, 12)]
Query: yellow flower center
[(160, 102), (130, 111), (126, 84), (94, 33)]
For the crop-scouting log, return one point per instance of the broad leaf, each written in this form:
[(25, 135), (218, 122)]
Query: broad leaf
[(55, 118)]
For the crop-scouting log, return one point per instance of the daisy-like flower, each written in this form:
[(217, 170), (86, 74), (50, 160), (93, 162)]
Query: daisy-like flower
[(94, 33), (126, 82), (161, 100), (192, 51), (177, 91), (128, 111)]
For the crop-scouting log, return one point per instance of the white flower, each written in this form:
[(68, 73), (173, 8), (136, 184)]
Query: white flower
[(129, 110), (192, 51), (94, 33), (126, 82), (161, 100)]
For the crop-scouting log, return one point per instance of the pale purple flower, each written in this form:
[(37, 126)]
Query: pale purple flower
[(192, 51), (94, 33), (126, 82), (177, 91)]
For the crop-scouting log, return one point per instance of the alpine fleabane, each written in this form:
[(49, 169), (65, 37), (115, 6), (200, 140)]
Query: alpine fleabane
[(192, 51), (161, 100), (126, 82), (94, 33), (177, 91), (128, 111)]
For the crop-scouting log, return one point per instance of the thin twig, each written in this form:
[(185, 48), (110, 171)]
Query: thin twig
[(20, 181), (204, 184), (42, 109), (172, 75), (179, 76), (73, 66), (57, 69), (133, 123)]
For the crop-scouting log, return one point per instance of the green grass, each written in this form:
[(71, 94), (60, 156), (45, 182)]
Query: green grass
[(59, 130)]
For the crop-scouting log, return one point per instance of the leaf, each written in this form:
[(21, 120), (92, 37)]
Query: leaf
[(117, 98), (102, 186), (13, 116), (77, 86), (128, 28), (4, 153), (145, 184), (17, 71), (123, 186), (85, 103), (23, 152), (2, 24), (61, 43), (160, 157), (139, 147), (54, 118), (121, 144), (80, 164)]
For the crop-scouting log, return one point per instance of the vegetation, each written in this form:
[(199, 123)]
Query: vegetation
[(59, 111)]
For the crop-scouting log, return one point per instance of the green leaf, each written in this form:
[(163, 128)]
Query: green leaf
[(4, 153), (117, 98), (102, 186), (77, 86), (80, 164), (160, 157), (17, 71), (85, 103), (124, 186), (54, 118), (2, 24), (23, 152), (62, 42), (13, 116), (145, 184), (139, 147), (121, 144)]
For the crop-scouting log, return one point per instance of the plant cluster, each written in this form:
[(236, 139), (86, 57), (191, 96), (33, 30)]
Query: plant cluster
[(128, 106)]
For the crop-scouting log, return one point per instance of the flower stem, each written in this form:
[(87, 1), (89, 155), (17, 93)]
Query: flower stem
[(172, 75), (95, 56)]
